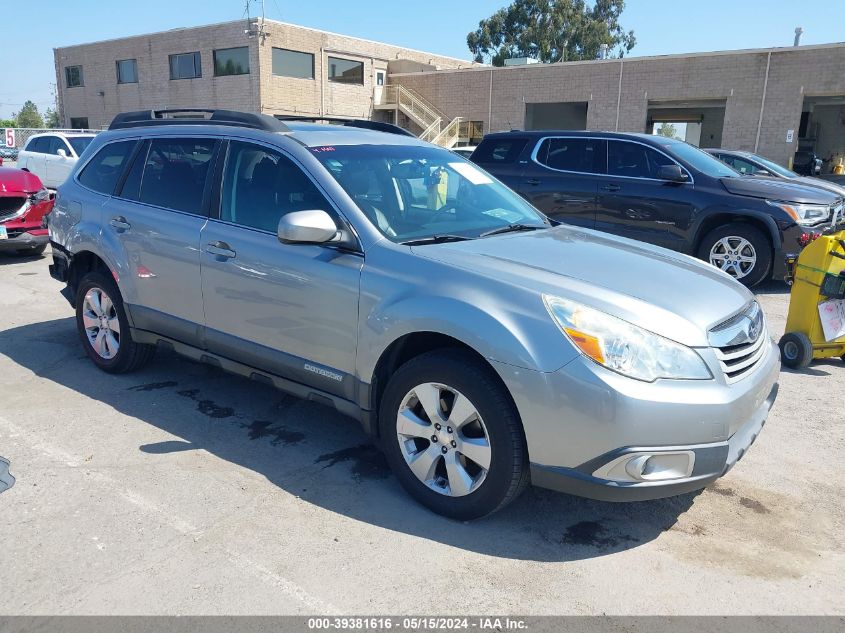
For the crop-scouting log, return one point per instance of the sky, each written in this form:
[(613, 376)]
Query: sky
[(437, 26)]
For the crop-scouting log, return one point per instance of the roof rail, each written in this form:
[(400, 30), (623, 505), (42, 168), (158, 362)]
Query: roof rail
[(366, 124), (194, 116)]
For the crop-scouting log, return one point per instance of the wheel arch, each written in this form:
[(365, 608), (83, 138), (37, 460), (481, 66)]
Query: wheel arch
[(82, 263), (715, 219)]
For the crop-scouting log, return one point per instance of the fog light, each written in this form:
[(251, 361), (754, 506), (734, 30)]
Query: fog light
[(648, 466)]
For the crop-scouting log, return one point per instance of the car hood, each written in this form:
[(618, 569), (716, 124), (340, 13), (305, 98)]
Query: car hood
[(17, 181), (660, 290), (778, 189), (839, 190)]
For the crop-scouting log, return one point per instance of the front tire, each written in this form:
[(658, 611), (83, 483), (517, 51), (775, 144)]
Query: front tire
[(104, 329), (452, 435), (739, 249)]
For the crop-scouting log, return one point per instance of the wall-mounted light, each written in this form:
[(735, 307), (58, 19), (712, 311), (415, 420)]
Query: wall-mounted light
[(101, 93)]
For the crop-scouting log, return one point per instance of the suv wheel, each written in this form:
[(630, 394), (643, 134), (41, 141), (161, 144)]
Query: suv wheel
[(103, 327), (452, 435), (739, 249)]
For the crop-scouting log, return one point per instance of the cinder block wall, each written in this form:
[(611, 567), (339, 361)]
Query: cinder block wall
[(498, 96)]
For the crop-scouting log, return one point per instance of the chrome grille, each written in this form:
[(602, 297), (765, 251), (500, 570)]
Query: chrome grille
[(837, 214), (737, 361), (740, 342), (10, 206)]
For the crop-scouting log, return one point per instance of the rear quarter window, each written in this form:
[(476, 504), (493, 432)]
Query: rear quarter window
[(104, 170), (499, 150)]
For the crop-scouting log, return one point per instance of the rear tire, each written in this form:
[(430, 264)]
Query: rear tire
[(739, 249), (104, 329), (469, 455), (796, 350)]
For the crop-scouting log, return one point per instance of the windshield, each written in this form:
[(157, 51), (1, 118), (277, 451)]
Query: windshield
[(417, 192), (79, 143), (775, 168), (701, 161)]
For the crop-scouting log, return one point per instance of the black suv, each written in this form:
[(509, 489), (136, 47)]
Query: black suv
[(662, 191)]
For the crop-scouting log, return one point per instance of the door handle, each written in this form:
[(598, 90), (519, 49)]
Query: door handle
[(611, 187), (533, 181), (120, 223), (220, 249)]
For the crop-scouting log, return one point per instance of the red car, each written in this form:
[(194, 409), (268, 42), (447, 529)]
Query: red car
[(23, 204)]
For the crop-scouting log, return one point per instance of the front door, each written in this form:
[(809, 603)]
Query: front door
[(635, 203), (155, 220), (291, 309), (563, 176)]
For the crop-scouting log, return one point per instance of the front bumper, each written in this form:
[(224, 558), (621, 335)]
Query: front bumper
[(583, 419), (23, 240)]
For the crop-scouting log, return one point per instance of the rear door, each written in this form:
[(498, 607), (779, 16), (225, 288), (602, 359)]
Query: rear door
[(291, 309), (501, 157), (635, 203), (154, 224), (563, 176), (32, 157)]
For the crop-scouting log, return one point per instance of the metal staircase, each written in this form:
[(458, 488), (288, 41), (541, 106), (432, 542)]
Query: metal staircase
[(436, 127)]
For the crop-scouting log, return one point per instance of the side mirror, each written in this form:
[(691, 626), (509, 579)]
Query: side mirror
[(672, 173), (307, 227), (62, 153)]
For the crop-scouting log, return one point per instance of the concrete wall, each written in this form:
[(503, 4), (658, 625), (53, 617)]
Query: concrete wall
[(260, 90), (619, 91)]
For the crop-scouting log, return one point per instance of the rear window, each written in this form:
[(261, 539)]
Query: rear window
[(499, 150), (103, 171), (38, 144), (175, 173)]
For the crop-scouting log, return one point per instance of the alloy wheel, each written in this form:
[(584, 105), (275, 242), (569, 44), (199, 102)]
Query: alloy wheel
[(102, 326), (443, 439), (735, 255)]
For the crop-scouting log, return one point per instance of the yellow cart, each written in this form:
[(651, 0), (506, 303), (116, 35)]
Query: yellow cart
[(815, 327)]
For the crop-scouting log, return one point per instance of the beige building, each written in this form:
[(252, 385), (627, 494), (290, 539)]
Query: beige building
[(270, 67), (776, 101)]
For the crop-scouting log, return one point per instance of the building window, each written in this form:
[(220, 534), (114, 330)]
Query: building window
[(231, 61), (73, 76), (127, 71), (295, 64), (346, 71), (380, 78), (79, 122), (185, 66)]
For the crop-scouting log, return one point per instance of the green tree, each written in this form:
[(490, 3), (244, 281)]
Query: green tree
[(28, 116), (7, 123), (51, 118), (551, 31), (668, 130)]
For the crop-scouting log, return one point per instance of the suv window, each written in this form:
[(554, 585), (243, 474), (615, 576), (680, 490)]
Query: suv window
[(56, 143), (582, 155), (38, 144), (175, 172), (499, 150), (260, 186), (104, 169), (633, 160)]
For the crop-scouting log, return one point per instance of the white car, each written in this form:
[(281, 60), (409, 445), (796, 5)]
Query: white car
[(51, 156)]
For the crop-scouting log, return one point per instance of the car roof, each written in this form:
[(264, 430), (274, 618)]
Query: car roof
[(65, 134), (639, 136)]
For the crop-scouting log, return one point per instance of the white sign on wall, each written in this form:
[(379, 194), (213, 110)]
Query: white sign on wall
[(10, 137), (790, 136)]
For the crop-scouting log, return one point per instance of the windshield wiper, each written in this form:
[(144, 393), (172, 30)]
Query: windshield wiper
[(513, 228), (436, 239)]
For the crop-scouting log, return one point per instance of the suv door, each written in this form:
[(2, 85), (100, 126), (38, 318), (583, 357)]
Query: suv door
[(153, 227), (563, 176), (57, 168), (291, 309), (32, 157), (635, 203)]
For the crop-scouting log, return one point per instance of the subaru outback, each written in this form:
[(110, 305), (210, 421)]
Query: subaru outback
[(481, 345)]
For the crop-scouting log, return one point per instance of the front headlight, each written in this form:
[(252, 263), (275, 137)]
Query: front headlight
[(623, 347), (42, 195), (803, 214)]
